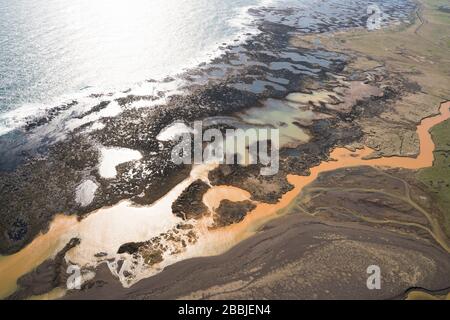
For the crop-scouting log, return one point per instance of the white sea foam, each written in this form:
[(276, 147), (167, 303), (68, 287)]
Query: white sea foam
[(174, 131), (236, 26), (94, 127), (85, 192), (16, 118), (112, 157), (113, 109)]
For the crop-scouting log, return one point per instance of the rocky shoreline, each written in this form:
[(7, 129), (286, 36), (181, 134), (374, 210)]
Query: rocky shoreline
[(47, 168), (270, 68)]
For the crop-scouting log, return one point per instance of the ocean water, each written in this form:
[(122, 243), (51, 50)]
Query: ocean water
[(54, 52), (55, 48)]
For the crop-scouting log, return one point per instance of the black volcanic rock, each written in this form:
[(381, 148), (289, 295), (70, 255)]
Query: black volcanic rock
[(230, 212), (189, 204)]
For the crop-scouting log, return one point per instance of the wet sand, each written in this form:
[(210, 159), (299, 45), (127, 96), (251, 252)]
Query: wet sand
[(219, 241)]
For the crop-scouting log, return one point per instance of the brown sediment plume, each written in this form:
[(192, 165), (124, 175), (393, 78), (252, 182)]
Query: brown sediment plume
[(213, 198), (46, 245), (43, 247)]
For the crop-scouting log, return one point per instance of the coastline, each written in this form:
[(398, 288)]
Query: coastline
[(263, 213)]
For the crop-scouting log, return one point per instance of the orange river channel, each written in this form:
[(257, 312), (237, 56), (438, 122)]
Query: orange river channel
[(45, 246)]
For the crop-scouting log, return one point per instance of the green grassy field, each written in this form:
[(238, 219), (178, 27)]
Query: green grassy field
[(437, 177)]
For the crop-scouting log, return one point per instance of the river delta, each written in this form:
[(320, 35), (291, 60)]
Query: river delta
[(364, 175)]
